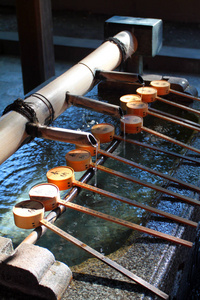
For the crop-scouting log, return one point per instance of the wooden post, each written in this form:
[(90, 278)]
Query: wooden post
[(36, 41)]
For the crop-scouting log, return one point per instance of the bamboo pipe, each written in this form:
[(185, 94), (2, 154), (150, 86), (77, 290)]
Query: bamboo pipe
[(77, 80), (61, 134), (144, 145), (141, 167), (118, 76), (104, 259), (104, 108), (151, 186)]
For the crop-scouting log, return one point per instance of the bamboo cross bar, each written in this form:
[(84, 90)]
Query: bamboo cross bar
[(150, 185), (144, 145), (104, 259), (134, 203), (166, 176)]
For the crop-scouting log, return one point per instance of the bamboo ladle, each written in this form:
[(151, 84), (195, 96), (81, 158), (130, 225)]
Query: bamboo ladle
[(28, 212), (163, 88), (140, 108)]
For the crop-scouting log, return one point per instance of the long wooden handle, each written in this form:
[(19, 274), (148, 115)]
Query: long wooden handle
[(184, 95), (149, 185), (104, 259), (144, 145), (141, 167), (134, 203), (174, 116), (187, 108), (171, 140), (173, 121), (128, 224)]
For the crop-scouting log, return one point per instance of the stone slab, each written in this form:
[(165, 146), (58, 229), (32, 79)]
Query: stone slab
[(56, 279), (147, 31), (32, 270), (6, 246)]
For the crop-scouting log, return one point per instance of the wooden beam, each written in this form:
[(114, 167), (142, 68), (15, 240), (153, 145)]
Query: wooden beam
[(36, 41)]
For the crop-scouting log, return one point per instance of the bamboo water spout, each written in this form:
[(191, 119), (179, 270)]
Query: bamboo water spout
[(52, 98), (104, 108), (119, 76), (61, 134)]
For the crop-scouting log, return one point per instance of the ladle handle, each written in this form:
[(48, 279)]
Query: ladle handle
[(184, 95), (104, 259)]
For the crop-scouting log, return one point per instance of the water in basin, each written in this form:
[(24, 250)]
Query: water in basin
[(28, 167)]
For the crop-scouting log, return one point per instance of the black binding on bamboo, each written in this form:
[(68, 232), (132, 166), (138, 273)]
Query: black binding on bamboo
[(121, 47), (23, 108)]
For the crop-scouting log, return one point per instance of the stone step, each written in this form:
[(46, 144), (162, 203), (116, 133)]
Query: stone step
[(32, 270)]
